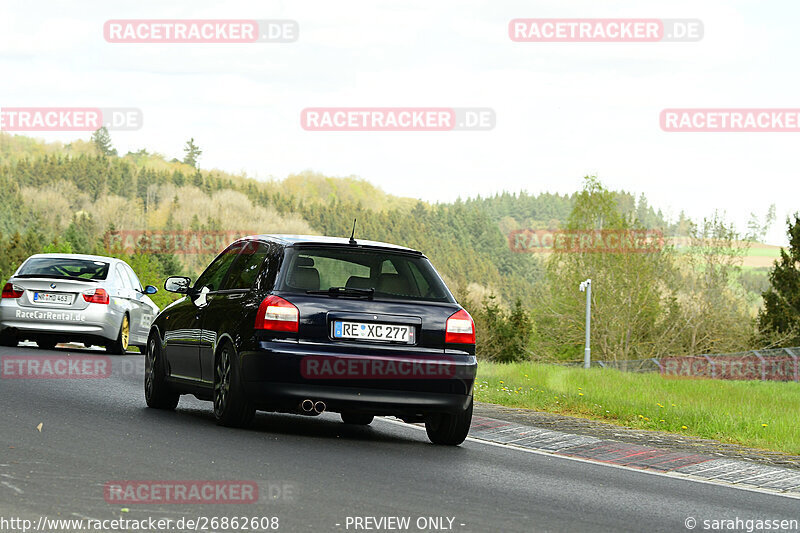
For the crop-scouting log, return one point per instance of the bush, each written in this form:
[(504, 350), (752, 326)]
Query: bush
[(502, 336)]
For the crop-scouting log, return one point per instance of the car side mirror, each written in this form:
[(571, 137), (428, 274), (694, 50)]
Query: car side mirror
[(179, 284), (149, 289)]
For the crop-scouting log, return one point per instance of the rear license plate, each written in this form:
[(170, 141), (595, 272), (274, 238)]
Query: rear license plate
[(52, 298), (373, 332)]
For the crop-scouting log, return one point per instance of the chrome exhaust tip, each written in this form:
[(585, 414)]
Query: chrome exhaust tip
[(307, 406), (319, 407)]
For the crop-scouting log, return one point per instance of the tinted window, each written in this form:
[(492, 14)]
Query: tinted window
[(63, 267), (244, 271), (419, 278), (392, 275), (271, 266), (215, 273)]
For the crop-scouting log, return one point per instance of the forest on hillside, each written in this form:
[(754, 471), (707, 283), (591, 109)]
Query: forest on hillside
[(69, 197)]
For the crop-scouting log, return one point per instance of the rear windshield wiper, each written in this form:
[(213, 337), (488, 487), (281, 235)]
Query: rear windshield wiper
[(346, 291)]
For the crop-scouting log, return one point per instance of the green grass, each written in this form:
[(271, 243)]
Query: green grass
[(764, 252), (753, 413)]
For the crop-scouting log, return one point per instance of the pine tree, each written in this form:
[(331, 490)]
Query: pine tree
[(102, 140), (15, 252), (192, 153), (781, 313), (80, 233), (178, 178)]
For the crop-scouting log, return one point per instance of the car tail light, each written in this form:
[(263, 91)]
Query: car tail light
[(276, 314), (460, 329), (12, 291), (96, 296)]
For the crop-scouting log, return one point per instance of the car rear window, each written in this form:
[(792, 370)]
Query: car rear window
[(64, 267), (392, 275)]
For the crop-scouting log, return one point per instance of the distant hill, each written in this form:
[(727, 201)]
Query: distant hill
[(72, 193)]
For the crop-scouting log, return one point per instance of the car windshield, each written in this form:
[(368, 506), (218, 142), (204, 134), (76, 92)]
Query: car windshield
[(391, 275), (64, 267)]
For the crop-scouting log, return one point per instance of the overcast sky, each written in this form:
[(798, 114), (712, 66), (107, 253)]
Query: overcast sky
[(563, 110)]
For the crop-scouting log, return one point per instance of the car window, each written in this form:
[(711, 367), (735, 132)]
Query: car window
[(388, 268), (243, 273), (63, 267), (214, 275), (135, 283), (391, 275), (124, 280), (271, 265), (419, 279), (333, 271)]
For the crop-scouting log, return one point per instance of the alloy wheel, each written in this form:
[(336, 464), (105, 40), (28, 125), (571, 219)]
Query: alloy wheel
[(125, 332), (222, 383), (149, 367)]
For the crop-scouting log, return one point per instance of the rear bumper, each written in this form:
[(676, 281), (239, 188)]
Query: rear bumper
[(288, 396), (96, 321), (276, 377)]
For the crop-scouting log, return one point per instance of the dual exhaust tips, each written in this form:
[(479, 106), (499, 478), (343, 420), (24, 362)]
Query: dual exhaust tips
[(312, 408)]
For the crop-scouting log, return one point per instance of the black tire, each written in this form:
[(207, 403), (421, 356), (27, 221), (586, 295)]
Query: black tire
[(157, 392), (120, 346), (447, 429), (357, 419), (231, 407), (46, 344)]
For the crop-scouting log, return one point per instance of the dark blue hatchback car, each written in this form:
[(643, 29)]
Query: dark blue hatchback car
[(305, 324)]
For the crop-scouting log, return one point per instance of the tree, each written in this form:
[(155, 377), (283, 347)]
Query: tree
[(628, 302), (779, 320), (15, 253), (178, 178), (646, 302), (102, 140), (80, 234), (197, 180), (192, 153), (502, 336), (756, 230), (714, 315)]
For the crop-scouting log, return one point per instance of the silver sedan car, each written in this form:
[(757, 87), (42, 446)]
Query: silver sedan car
[(90, 299)]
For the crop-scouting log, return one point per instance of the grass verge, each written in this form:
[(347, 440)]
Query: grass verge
[(752, 413)]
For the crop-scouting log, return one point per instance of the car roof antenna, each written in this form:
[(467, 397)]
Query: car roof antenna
[(353, 234)]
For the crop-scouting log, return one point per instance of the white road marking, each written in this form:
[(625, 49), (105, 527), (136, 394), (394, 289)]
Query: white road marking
[(84, 516), (12, 487)]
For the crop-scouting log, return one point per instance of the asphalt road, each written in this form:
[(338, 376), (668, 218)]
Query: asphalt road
[(314, 473)]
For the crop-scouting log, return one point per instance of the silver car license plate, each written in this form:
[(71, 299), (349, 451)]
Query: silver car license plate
[(52, 298)]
